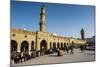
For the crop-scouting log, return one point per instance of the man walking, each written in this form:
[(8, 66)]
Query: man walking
[(67, 48), (72, 49)]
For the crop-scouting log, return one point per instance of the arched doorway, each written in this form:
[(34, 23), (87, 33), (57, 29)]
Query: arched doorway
[(58, 45), (43, 44), (72, 42), (43, 47), (13, 45), (32, 46), (54, 45), (50, 45), (64, 44), (61, 45), (24, 46)]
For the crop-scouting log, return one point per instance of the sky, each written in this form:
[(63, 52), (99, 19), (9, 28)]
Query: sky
[(63, 19)]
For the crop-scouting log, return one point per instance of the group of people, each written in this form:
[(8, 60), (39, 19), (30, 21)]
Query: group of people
[(67, 48), (82, 48), (23, 56)]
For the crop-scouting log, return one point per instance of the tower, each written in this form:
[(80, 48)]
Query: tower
[(42, 19), (82, 34)]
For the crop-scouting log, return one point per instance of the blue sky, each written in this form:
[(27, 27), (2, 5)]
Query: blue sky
[(63, 19)]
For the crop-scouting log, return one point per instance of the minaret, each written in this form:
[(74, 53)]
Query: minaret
[(42, 19), (82, 34)]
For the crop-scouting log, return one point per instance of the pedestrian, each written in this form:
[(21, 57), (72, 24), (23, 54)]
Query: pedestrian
[(21, 56), (42, 51), (72, 49), (33, 54), (58, 52), (82, 48), (67, 48)]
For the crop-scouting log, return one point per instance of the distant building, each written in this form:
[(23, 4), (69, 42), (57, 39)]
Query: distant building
[(90, 41)]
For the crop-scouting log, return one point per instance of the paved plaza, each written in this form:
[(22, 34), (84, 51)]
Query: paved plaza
[(66, 58)]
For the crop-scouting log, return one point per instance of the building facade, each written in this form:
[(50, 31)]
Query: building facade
[(24, 40)]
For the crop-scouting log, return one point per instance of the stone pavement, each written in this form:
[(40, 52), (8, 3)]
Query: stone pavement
[(86, 56)]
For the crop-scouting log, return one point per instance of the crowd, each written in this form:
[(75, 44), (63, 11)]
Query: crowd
[(23, 56)]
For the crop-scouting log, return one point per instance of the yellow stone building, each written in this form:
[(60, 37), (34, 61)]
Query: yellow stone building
[(22, 40)]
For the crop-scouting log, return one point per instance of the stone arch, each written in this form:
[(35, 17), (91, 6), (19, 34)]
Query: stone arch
[(14, 45), (61, 45), (24, 46), (32, 46), (54, 45), (72, 42), (64, 44), (43, 44), (58, 45), (50, 45), (67, 43)]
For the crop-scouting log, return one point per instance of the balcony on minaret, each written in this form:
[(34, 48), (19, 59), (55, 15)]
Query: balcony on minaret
[(43, 9)]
